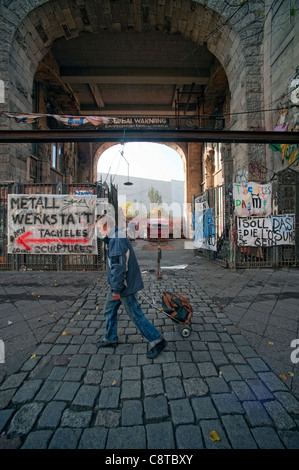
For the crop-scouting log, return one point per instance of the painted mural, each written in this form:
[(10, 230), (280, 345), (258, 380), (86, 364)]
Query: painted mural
[(290, 152)]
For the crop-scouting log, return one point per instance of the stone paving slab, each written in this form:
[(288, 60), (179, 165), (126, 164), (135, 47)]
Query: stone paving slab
[(69, 394), (263, 305)]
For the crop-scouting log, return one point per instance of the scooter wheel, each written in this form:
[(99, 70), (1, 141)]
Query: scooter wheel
[(185, 332)]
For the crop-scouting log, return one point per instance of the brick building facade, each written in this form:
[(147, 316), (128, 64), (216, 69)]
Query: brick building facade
[(248, 53)]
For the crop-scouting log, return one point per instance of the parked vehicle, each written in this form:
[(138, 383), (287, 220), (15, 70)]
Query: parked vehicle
[(158, 228)]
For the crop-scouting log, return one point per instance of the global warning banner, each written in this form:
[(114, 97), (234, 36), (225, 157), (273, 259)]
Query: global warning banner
[(51, 224)]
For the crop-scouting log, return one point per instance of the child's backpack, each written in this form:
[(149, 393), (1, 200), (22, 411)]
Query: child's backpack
[(176, 307)]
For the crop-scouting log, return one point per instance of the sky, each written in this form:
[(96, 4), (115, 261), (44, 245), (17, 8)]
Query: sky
[(143, 160)]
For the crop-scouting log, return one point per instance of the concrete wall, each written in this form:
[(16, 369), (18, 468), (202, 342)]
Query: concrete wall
[(171, 191)]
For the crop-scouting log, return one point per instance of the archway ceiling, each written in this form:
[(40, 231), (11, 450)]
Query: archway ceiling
[(137, 73)]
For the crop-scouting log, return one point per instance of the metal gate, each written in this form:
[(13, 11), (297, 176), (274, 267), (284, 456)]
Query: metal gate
[(285, 200), (51, 262), (218, 201)]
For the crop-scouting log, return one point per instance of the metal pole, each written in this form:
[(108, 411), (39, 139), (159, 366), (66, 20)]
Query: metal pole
[(159, 276)]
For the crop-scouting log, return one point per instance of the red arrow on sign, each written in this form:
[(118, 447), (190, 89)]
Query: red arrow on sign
[(25, 239)]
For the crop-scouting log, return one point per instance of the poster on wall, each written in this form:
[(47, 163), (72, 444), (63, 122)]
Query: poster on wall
[(201, 202), (252, 199), (51, 224), (267, 231), (204, 230)]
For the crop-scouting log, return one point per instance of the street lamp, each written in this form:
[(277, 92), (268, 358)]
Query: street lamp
[(127, 183)]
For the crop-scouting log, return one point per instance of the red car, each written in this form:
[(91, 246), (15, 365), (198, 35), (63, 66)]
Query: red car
[(157, 228)]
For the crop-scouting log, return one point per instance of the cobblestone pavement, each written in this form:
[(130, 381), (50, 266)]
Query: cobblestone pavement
[(59, 391)]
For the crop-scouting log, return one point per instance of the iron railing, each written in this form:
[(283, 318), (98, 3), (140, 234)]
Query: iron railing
[(285, 200)]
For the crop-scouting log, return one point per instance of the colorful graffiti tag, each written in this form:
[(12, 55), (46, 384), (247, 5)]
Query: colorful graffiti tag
[(289, 151)]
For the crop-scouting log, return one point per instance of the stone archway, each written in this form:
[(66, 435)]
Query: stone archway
[(28, 35), (180, 149), (233, 33)]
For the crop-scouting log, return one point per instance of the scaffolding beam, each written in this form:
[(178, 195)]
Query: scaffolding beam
[(147, 135)]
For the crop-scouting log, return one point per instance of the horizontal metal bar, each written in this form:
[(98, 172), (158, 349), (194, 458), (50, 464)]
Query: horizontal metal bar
[(148, 135)]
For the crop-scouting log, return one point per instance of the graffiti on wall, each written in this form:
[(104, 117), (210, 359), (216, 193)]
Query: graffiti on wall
[(267, 231), (51, 224), (252, 199), (290, 152)]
